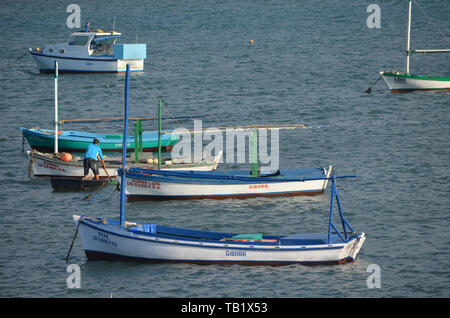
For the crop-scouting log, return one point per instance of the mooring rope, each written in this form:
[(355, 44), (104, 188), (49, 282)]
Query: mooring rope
[(370, 88), (117, 188), (73, 241)]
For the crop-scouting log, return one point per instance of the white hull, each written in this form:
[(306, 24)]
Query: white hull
[(144, 188), (407, 83), (46, 63), (137, 189), (46, 166), (102, 241)]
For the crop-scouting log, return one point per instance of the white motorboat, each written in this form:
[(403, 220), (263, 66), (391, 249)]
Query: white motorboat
[(91, 51)]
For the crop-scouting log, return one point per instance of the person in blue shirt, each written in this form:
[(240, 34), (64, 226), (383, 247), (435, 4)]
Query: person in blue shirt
[(93, 153)]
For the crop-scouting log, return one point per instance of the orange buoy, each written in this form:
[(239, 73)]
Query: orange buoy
[(64, 156)]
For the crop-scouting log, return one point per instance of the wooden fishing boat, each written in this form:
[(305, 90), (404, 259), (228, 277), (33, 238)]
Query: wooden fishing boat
[(91, 51), (111, 239), (117, 239), (402, 82), (50, 165), (149, 184), (76, 184), (77, 141)]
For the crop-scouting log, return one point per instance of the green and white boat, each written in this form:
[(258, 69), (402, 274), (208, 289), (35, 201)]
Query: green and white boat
[(77, 141), (49, 140), (402, 82)]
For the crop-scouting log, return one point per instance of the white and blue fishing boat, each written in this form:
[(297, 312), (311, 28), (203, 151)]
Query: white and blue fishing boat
[(118, 239), (152, 184), (51, 165), (156, 184), (91, 51)]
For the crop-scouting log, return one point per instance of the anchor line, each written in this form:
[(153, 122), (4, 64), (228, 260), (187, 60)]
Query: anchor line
[(370, 88)]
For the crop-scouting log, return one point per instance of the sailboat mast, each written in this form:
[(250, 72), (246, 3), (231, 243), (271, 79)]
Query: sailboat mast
[(408, 44)]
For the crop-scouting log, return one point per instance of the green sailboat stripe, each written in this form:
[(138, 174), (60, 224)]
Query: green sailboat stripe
[(421, 77)]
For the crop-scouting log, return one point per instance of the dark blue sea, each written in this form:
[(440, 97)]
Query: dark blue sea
[(310, 63)]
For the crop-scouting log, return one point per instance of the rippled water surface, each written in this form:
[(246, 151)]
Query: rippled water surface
[(310, 63)]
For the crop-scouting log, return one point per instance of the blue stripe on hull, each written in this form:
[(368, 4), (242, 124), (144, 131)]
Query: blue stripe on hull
[(73, 58), (80, 71)]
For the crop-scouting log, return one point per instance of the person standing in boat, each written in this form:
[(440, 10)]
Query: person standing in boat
[(93, 153)]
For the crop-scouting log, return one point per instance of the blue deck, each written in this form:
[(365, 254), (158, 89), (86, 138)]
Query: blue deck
[(225, 177), (219, 237)]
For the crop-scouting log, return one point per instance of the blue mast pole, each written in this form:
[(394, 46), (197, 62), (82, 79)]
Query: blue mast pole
[(124, 149), (330, 222)]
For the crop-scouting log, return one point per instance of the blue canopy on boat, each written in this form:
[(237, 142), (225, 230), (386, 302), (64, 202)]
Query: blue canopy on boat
[(105, 39)]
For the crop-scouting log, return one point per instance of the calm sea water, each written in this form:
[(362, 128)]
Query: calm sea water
[(310, 63)]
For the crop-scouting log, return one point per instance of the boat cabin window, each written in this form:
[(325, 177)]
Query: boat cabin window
[(103, 44), (78, 40)]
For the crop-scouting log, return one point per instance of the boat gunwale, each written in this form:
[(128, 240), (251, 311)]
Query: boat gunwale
[(205, 243), (215, 180), (113, 164), (69, 135)]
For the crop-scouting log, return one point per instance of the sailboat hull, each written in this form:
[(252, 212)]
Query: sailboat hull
[(403, 83)]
